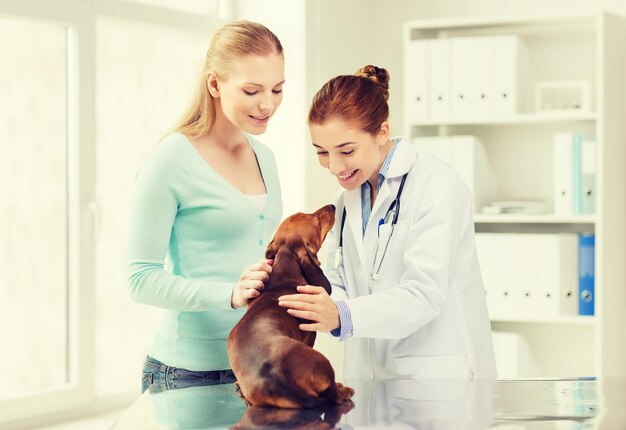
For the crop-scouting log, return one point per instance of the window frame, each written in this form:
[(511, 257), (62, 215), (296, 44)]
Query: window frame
[(79, 394)]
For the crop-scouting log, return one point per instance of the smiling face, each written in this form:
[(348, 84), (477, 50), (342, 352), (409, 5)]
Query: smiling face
[(251, 93), (350, 154)]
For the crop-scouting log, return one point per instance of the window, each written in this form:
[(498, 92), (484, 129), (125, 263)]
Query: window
[(86, 90), (34, 211)]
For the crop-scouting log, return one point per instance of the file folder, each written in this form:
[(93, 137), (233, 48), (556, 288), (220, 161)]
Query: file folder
[(439, 77), (586, 273), (563, 162), (577, 174), (416, 80), (588, 170), (471, 74), (510, 65)]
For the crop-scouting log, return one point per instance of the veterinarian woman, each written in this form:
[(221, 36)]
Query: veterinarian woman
[(207, 200), (407, 293)]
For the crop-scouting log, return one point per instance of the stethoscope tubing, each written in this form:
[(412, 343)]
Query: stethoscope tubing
[(393, 207)]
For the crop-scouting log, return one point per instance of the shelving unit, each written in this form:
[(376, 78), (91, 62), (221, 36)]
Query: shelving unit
[(588, 47)]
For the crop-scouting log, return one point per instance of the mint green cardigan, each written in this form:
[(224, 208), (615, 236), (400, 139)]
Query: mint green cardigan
[(191, 234)]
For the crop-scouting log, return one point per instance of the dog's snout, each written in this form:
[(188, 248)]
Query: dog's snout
[(331, 208)]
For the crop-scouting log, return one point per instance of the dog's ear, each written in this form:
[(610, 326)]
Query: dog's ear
[(311, 268), (270, 251)]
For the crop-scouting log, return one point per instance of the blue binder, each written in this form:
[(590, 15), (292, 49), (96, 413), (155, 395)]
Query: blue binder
[(586, 273)]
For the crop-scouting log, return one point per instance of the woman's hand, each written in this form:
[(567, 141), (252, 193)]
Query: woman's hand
[(313, 304), (251, 283)]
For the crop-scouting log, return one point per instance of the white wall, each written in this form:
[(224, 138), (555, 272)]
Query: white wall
[(339, 39), (286, 132)]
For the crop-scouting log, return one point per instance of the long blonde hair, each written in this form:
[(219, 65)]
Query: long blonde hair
[(230, 42)]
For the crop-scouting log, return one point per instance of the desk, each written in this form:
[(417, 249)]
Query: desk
[(563, 404)]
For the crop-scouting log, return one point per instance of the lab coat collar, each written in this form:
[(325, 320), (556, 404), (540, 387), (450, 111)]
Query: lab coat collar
[(401, 162)]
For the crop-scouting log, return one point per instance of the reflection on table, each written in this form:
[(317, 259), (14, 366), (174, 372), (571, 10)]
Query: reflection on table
[(564, 404)]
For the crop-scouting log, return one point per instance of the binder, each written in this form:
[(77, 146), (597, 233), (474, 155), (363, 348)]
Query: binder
[(563, 161), (577, 176), (439, 77), (470, 160), (588, 176), (529, 275), (556, 268), (509, 74), (526, 286), (417, 80), (586, 273), (505, 261), (471, 74)]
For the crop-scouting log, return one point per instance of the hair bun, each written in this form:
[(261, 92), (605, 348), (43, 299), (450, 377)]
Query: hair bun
[(378, 75)]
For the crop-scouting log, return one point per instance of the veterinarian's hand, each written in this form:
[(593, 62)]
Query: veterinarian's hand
[(313, 304), (251, 282)]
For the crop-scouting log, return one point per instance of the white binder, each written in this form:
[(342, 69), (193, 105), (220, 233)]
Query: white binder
[(556, 266), (528, 275), (439, 73), (471, 77), (417, 98), (505, 257), (588, 176), (526, 288), (563, 163), (509, 74)]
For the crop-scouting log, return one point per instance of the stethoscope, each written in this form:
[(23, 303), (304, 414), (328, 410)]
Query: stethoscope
[(390, 219)]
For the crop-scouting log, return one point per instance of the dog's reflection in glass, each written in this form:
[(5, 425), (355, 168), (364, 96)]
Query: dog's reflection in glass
[(322, 418)]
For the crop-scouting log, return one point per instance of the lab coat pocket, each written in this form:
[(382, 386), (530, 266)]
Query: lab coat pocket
[(436, 366)]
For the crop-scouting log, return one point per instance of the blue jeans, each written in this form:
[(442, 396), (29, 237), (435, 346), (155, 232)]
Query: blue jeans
[(163, 377)]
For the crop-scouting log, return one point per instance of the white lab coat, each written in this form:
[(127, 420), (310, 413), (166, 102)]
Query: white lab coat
[(426, 315)]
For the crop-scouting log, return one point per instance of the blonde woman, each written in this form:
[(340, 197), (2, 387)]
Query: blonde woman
[(207, 201)]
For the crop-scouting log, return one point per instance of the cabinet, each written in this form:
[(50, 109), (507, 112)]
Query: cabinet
[(518, 139)]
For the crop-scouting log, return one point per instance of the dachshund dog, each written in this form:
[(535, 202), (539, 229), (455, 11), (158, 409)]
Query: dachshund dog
[(273, 359)]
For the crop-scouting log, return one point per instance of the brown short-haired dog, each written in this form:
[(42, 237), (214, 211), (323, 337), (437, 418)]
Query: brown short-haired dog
[(273, 359)]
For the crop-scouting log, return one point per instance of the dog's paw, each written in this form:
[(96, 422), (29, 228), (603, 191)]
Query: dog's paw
[(345, 392)]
